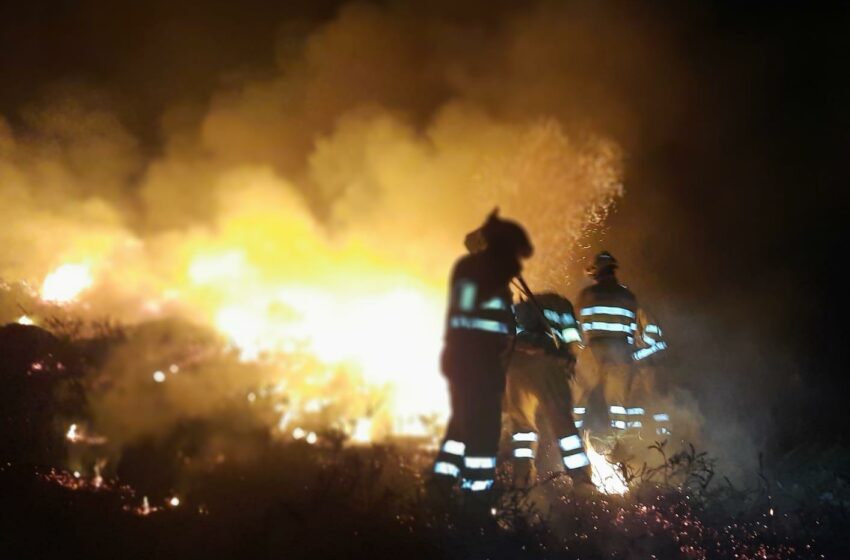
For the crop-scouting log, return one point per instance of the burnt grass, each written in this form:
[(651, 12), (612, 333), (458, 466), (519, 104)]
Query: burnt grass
[(335, 500)]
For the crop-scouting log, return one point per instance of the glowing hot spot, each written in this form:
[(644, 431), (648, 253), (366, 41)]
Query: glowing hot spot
[(391, 337), (66, 283), (606, 475)]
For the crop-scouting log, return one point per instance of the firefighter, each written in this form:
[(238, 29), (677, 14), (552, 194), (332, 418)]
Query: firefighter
[(608, 315), (538, 380), (650, 347), (479, 336)]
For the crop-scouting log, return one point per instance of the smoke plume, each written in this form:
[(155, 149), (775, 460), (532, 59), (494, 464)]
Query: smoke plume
[(325, 194)]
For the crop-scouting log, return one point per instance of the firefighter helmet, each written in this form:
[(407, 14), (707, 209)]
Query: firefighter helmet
[(500, 234), (602, 262)]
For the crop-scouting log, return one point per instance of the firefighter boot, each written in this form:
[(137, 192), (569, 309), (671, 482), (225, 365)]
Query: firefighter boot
[(440, 490)]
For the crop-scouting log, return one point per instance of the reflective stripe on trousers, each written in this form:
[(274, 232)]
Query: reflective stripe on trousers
[(572, 452), (618, 417), (524, 445), (623, 418), (578, 415), (634, 417), (663, 426), (479, 473), (450, 458)]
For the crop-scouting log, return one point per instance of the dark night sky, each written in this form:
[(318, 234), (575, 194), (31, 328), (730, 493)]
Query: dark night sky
[(757, 180), (747, 181)]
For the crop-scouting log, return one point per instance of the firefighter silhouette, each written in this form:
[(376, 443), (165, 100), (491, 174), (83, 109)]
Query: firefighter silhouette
[(619, 336), (538, 386), (478, 341)]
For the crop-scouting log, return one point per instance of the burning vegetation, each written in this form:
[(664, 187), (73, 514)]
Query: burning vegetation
[(225, 340), (268, 463)]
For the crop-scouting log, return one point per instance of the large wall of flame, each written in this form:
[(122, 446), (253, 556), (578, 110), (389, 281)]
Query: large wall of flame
[(357, 153), (141, 135)]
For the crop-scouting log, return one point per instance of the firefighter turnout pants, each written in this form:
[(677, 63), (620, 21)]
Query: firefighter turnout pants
[(468, 452), (538, 386), (625, 391), (644, 394)]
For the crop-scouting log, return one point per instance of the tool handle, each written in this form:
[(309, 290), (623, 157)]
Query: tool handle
[(530, 295)]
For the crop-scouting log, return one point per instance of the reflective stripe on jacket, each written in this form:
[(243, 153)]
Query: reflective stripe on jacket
[(650, 339), (608, 310), (560, 316), (480, 305)]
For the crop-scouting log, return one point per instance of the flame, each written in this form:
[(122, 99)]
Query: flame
[(362, 431), (385, 328), (356, 297), (76, 434), (66, 283), (606, 475), (25, 320), (97, 481)]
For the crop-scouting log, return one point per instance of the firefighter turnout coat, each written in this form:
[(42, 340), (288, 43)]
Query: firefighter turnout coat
[(618, 335), (479, 336)]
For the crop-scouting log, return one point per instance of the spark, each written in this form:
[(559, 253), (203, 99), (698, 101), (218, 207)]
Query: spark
[(97, 481), (174, 501), (25, 320), (145, 509), (158, 376), (71, 434)]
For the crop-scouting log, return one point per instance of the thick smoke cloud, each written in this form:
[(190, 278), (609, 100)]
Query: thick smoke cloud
[(373, 125), (354, 157)]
